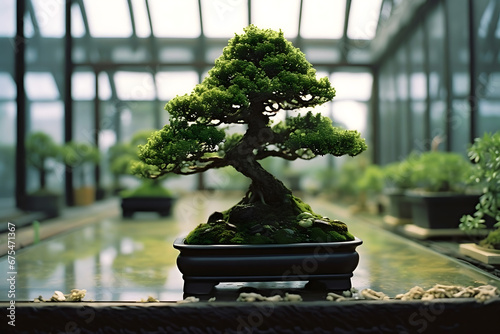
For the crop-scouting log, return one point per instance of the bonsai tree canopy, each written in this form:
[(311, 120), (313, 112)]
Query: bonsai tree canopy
[(258, 76), (77, 154), (40, 149)]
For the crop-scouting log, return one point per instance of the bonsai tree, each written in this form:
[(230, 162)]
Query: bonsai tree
[(370, 186), (41, 150), (436, 171), (122, 165), (258, 76), (77, 155), (119, 156), (398, 174), (485, 153)]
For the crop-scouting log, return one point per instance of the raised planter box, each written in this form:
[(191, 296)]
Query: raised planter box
[(399, 206), (481, 254), (399, 209), (161, 205), (204, 266), (50, 204), (442, 210)]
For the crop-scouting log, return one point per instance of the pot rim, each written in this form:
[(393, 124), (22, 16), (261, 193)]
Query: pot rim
[(179, 244)]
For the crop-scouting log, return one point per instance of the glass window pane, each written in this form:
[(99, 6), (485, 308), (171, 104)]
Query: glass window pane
[(351, 115), (142, 28), (176, 54), (110, 18), (487, 92), (363, 19), (40, 86), (322, 19), (8, 91), (418, 91), (50, 17), (77, 25), (7, 18), (277, 14), (134, 86), (7, 154), (352, 86), (174, 18), (175, 83), (83, 86), (322, 54), (437, 83), (224, 18), (104, 87)]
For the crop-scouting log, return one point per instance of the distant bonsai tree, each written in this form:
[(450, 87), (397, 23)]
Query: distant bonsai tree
[(258, 76), (42, 152)]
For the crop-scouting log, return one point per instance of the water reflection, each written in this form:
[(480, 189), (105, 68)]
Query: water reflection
[(126, 260)]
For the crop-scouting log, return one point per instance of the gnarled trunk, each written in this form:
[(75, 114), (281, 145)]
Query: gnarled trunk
[(264, 187)]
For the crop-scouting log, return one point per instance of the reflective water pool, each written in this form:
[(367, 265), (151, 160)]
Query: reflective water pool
[(129, 260)]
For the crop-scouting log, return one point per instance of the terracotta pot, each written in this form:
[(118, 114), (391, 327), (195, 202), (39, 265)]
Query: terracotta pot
[(84, 196)]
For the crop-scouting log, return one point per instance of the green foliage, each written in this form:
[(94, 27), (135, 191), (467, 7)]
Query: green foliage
[(313, 135), (492, 241), (485, 153), (40, 148), (372, 179), (349, 173), (399, 174), (148, 188), (77, 153), (179, 148), (259, 74), (120, 156), (437, 171), (123, 155)]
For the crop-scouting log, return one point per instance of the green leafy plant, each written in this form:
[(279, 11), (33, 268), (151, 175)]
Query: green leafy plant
[(485, 153), (42, 152), (259, 75), (124, 156), (398, 175), (437, 171), (77, 155)]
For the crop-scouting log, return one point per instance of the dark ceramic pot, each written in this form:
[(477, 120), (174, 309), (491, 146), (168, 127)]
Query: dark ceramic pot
[(399, 205), (161, 205), (50, 204), (329, 263), (442, 210)]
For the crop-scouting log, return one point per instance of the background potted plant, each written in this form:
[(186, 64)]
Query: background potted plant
[(268, 232), (370, 186), (43, 154), (397, 180), (81, 157), (119, 157), (150, 195), (441, 195), (485, 153)]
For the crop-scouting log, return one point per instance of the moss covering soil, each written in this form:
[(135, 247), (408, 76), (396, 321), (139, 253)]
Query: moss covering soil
[(292, 221)]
